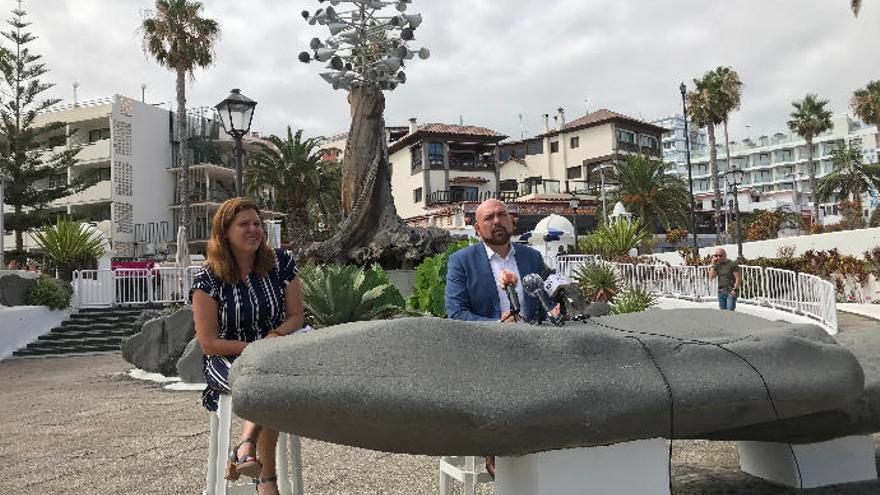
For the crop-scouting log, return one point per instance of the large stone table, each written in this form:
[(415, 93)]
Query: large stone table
[(444, 387)]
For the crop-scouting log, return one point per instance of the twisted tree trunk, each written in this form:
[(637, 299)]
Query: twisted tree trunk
[(372, 230)]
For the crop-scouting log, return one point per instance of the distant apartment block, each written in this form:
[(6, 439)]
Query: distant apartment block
[(776, 172), (674, 144)]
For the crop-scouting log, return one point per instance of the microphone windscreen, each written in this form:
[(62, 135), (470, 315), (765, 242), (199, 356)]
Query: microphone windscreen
[(532, 283)]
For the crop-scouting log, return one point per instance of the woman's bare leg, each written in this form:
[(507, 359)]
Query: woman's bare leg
[(266, 443)]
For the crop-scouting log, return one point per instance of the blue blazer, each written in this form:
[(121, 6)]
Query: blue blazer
[(471, 289)]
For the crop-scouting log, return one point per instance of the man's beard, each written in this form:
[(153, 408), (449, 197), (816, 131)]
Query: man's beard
[(499, 237)]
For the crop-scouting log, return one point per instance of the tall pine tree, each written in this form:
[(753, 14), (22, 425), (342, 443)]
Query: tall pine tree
[(36, 173)]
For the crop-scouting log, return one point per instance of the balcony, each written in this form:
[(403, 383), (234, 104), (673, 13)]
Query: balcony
[(457, 196), (95, 194), (96, 151)]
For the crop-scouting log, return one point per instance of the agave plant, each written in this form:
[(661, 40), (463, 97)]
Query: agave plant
[(597, 281), (334, 294), (633, 300), (68, 244), (614, 239)]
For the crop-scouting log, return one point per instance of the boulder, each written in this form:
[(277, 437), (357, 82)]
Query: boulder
[(160, 343), (446, 387), (190, 367), (859, 417), (14, 290)]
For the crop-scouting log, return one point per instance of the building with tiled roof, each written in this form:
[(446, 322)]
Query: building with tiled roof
[(434, 165), (569, 158)]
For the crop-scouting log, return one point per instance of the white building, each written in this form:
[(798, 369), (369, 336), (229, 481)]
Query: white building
[(128, 143), (136, 203), (776, 172), (674, 144)]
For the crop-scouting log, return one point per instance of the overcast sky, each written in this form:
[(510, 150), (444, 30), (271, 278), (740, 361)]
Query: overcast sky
[(491, 59)]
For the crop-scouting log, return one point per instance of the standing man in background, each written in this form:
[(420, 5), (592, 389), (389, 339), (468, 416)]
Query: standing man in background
[(729, 279)]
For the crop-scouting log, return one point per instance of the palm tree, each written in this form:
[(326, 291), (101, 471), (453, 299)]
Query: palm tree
[(729, 93), (703, 107), (648, 190), (865, 103), (850, 177), (809, 119), (180, 39), (294, 168)]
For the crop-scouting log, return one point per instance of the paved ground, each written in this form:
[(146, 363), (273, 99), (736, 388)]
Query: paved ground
[(80, 425)]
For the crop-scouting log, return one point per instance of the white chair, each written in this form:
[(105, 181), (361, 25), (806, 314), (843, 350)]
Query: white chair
[(218, 450), (465, 469)]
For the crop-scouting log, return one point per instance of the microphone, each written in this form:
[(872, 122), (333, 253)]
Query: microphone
[(507, 281), (534, 285)]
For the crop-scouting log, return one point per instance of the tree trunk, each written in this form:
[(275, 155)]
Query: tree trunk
[(371, 230), (729, 167), (182, 152), (297, 225), (19, 232), (713, 167), (811, 169)]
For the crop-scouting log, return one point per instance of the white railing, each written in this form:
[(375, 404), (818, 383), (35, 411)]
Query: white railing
[(784, 290), (126, 286)]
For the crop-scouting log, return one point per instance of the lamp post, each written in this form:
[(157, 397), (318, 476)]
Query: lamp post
[(687, 151), (236, 113), (734, 177), (3, 179), (574, 203)]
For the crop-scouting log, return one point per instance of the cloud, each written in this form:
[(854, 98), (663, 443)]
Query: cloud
[(491, 61)]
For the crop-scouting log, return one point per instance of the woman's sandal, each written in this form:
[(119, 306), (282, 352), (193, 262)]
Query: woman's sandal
[(246, 465)]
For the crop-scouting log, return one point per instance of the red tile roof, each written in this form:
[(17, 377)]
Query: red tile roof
[(447, 130), (598, 117)]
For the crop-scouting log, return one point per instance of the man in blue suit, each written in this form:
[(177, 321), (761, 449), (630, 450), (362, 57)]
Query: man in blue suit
[(475, 275)]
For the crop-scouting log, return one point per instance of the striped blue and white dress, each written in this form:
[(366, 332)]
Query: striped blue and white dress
[(246, 312)]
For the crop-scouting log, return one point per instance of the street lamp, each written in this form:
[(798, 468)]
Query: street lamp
[(236, 113), (687, 150), (3, 179), (734, 178), (574, 203)]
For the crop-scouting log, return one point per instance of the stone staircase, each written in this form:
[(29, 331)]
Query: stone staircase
[(89, 331)]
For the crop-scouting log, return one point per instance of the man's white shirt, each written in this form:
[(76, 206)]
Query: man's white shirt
[(508, 263)]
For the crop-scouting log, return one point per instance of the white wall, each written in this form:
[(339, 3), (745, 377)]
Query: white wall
[(150, 158), (21, 325)]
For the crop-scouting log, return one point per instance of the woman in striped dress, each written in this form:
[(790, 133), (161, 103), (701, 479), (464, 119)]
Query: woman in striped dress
[(245, 292)]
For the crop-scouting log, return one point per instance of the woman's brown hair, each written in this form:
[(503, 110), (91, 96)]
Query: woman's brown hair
[(220, 259)]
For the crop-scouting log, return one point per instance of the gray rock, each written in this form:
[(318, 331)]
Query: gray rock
[(190, 367), (859, 417), (446, 387), (14, 290), (160, 343)]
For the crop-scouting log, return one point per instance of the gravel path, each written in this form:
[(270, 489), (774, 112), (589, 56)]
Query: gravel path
[(80, 425)]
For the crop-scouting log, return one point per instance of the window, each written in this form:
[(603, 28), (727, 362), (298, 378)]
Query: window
[(535, 147), (648, 142), (416, 152), (554, 146), (626, 137), (58, 180), (104, 173), (99, 134), (574, 142), (417, 195), (435, 154), (506, 154), (573, 172)]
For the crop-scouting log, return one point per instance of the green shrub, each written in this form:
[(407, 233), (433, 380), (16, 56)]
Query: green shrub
[(597, 281), (334, 294), (633, 300), (376, 276), (48, 292), (429, 291), (68, 245), (614, 239)]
